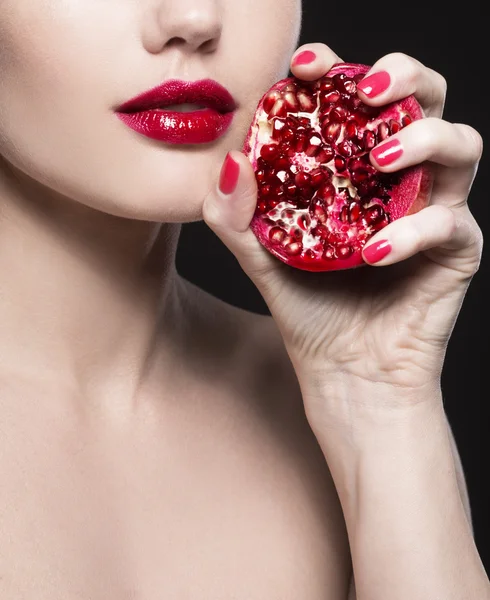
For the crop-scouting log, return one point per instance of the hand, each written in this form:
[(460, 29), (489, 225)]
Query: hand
[(390, 323)]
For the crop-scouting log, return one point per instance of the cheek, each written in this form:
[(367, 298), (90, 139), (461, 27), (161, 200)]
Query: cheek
[(264, 35)]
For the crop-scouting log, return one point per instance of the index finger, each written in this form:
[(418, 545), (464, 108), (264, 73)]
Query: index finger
[(312, 61)]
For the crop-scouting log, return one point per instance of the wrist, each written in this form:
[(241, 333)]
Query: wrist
[(349, 412)]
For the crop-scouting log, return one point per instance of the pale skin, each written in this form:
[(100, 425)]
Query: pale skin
[(156, 440)]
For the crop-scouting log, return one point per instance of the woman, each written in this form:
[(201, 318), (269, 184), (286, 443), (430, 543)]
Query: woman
[(158, 443)]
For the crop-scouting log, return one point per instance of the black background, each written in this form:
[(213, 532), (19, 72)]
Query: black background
[(452, 40)]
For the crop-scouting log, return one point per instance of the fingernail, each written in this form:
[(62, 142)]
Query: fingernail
[(304, 58), (377, 251), (230, 172), (387, 153), (375, 84)]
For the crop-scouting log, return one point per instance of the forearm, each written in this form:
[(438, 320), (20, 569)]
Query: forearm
[(396, 478)]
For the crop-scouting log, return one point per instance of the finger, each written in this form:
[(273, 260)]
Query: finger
[(455, 235), (312, 61), (228, 210), (457, 147), (396, 76)]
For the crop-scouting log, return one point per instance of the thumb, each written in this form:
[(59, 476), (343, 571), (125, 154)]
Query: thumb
[(228, 210)]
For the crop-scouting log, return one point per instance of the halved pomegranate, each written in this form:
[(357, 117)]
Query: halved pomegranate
[(319, 197)]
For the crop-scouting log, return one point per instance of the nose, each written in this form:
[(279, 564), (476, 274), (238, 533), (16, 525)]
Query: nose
[(191, 25)]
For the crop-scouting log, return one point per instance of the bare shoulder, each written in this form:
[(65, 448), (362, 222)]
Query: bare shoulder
[(263, 375)]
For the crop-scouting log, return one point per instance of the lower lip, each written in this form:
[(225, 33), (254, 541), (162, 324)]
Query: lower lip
[(198, 127)]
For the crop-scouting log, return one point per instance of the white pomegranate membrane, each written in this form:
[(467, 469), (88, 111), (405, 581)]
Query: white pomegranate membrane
[(319, 197)]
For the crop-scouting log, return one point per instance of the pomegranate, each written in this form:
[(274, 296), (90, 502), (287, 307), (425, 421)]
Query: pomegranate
[(319, 197)]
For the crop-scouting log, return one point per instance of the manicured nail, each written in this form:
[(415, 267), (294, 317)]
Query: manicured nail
[(377, 251), (230, 172), (304, 58), (375, 84), (387, 153)]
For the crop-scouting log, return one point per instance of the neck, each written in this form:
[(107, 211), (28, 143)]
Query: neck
[(84, 294)]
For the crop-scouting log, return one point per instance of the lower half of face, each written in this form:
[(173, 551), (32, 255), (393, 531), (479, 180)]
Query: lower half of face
[(66, 66)]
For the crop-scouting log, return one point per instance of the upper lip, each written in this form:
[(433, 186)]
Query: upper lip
[(204, 92)]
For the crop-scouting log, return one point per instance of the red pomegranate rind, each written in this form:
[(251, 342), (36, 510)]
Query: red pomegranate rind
[(320, 200)]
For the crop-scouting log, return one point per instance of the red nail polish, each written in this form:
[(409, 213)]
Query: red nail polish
[(230, 172), (387, 153), (377, 251), (375, 84), (304, 58)]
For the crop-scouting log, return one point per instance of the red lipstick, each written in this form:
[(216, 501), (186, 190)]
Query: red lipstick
[(148, 113)]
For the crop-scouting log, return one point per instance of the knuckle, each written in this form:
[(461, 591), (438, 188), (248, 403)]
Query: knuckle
[(439, 86), (429, 133), (444, 220), (405, 63), (473, 141)]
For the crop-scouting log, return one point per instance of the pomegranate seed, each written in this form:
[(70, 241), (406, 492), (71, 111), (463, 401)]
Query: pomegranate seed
[(374, 214), (354, 212), (262, 207), (304, 122), (260, 176), (346, 148), (344, 251), (380, 224), (302, 180), (358, 176), (340, 163), (351, 130), (331, 132), (310, 254), (281, 163), (317, 178), (350, 86), (338, 81), (313, 147), (369, 140), (329, 98), (269, 151), (289, 87), (319, 214), (325, 155), (383, 131), (406, 120), (276, 235), (292, 103), (344, 214), (265, 190), (270, 100), (329, 253), (277, 128), (359, 77), (394, 126), (306, 102), (279, 109), (327, 193), (294, 248), (292, 122), (304, 222), (288, 136), (291, 190), (320, 231), (339, 114), (300, 143), (326, 84)]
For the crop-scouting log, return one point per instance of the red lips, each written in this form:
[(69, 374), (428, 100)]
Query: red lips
[(146, 113)]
